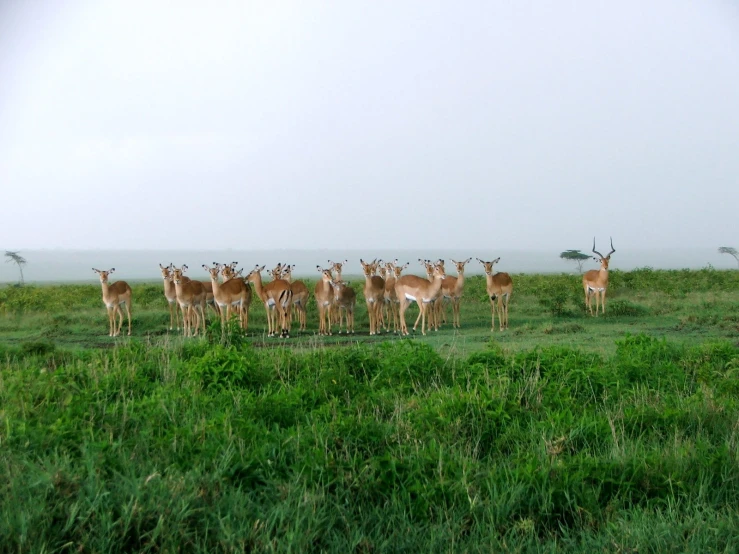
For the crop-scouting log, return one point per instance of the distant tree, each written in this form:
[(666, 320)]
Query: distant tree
[(17, 259), (575, 256), (729, 250)]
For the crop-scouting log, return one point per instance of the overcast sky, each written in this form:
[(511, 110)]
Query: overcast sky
[(377, 124)]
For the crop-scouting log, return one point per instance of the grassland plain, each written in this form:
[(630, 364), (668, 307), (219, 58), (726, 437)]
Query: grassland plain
[(565, 433)]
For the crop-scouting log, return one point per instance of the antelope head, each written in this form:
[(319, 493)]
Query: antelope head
[(460, 265), (488, 266), (104, 274), (603, 260)]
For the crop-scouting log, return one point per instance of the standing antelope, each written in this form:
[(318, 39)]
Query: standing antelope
[(171, 295), (115, 294), (300, 295), (345, 299), (324, 294), (595, 281), (392, 272), (433, 313), (374, 294), (411, 288), (234, 292), (336, 267), (452, 289), (276, 297), (500, 288), (191, 298)]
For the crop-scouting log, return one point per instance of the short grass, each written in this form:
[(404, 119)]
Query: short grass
[(564, 433)]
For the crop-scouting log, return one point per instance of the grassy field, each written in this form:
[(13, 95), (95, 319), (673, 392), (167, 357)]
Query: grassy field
[(564, 433)]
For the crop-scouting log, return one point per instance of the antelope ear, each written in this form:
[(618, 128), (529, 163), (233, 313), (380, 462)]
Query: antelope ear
[(112, 269)]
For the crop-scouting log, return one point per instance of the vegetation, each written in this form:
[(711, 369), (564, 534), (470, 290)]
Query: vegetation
[(17, 259), (575, 256), (564, 433), (729, 250)]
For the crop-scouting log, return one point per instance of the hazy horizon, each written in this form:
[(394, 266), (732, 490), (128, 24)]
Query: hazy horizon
[(76, 265), (352, 125)]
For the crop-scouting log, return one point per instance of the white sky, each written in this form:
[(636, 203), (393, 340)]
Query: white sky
[(369, 124)]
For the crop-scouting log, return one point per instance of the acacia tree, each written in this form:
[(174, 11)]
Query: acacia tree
[(729, 250), (575, 256), (17, 259)]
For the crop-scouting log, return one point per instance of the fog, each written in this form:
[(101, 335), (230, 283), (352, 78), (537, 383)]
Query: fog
[(480, 126)]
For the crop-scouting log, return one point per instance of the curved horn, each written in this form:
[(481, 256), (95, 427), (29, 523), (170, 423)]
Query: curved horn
[(595, 251), (612, 249)]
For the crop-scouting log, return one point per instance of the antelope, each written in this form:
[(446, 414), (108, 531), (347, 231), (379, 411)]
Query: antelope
[(276, 273), (115, 294), (300, 295), (392, 272), (433, 312), (191, 298), (374, 294), (500, 288), (229, 272), (276, 297), (234, 292), (411, 288), (595, 281), (452, 289), (336, 267), (324, 294), (345, 299), (171, 295)]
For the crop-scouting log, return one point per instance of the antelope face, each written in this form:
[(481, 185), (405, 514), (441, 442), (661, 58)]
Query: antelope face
[(287, 272), (398, 269), (438, 271), (103, 274), (368, 267), (277, 272), (177, 275), (336, 267), (430, 270), (166, 272), (488, 266), (212, 271), (603, 261), (257, 271), (460, 265)]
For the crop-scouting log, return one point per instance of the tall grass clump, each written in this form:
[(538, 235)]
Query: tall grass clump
[(214, 445)]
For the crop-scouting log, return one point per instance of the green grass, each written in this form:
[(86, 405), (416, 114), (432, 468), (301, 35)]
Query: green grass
[(564, 433)]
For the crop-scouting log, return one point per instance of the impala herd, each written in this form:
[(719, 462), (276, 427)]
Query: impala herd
[(387, 294)]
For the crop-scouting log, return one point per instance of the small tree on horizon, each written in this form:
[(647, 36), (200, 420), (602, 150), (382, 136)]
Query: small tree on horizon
[(730, 251), (17, 259), (575, 256)]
